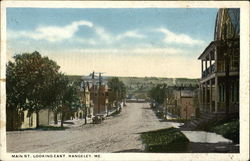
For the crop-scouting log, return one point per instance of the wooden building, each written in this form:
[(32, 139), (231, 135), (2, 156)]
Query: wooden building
[(99, 97), (219, 84), (181, 102)]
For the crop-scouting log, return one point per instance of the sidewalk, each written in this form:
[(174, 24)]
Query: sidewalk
[(79, 122), (72, 123), (208, 142)]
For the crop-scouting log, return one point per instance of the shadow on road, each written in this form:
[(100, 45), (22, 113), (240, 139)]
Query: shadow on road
[(147, 108), (177, 121), (129, 150)]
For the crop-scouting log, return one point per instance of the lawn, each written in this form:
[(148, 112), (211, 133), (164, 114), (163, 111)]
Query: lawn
[(165, 140), (228, 129)]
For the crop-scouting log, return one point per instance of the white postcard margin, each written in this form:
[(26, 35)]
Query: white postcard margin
[(244, 78)]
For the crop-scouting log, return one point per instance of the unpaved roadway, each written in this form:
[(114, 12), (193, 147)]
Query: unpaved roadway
[(120, 133)]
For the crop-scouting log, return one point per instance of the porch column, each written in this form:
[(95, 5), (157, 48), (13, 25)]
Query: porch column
[(216, 94), (206, 66), (201, 67), (205, 99), (201, 97), (210, 63), (215, 59), (210, 95)]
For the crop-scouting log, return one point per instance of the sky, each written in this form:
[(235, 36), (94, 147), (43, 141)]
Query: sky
[(152, 42)]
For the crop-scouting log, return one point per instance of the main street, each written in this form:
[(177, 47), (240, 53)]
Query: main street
[(120, 133)]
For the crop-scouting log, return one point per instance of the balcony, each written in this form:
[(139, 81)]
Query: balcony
[(210, 70)]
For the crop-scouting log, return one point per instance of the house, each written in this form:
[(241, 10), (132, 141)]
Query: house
[(27, 119), (219, 84), (23, 119), (186, 103), (46, 117), (86, 102), (99, 97), (181, 102)]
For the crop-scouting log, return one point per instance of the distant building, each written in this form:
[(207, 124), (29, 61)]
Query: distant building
[(181, 102), (99, 97), (86, 103), (187, 109), (219, 84)]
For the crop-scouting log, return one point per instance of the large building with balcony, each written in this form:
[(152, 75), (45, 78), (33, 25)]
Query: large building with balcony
[(220, 63)]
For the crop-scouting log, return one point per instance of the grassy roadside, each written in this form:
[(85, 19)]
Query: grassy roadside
[(228, 127), (165, 140)]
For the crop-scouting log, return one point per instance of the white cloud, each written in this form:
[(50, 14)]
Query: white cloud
[(52, 33), (103, 35), (130, 34), (60, 33), (173, 38)]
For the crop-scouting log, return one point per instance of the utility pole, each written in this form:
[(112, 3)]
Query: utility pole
[(84, 101), (85, 106), (99, 91)]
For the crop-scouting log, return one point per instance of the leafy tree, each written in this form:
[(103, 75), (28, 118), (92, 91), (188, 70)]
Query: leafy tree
[(15, 97), (70, 100), (117, 90), (65, 97), (56, 96), (30, 79), (158, 93)]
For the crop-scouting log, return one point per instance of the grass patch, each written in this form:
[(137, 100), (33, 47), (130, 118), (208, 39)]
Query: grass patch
[(229, 130), (165, 140), (228, 127)]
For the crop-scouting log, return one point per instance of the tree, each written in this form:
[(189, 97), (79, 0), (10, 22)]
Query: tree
[(15, 98), (64, 96), (56, 96), (117, 90), (30, 79), (70, 100), (158, 93)]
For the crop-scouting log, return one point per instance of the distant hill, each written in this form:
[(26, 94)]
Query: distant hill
[(139, 86)]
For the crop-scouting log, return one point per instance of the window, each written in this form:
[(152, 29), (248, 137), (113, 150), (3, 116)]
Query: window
[(222, 92), (235, 59), (235, 91)]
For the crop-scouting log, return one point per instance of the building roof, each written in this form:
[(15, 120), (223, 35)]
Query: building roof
[(208, 49)]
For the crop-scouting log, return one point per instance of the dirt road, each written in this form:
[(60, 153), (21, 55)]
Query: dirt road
[(116, 134)]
